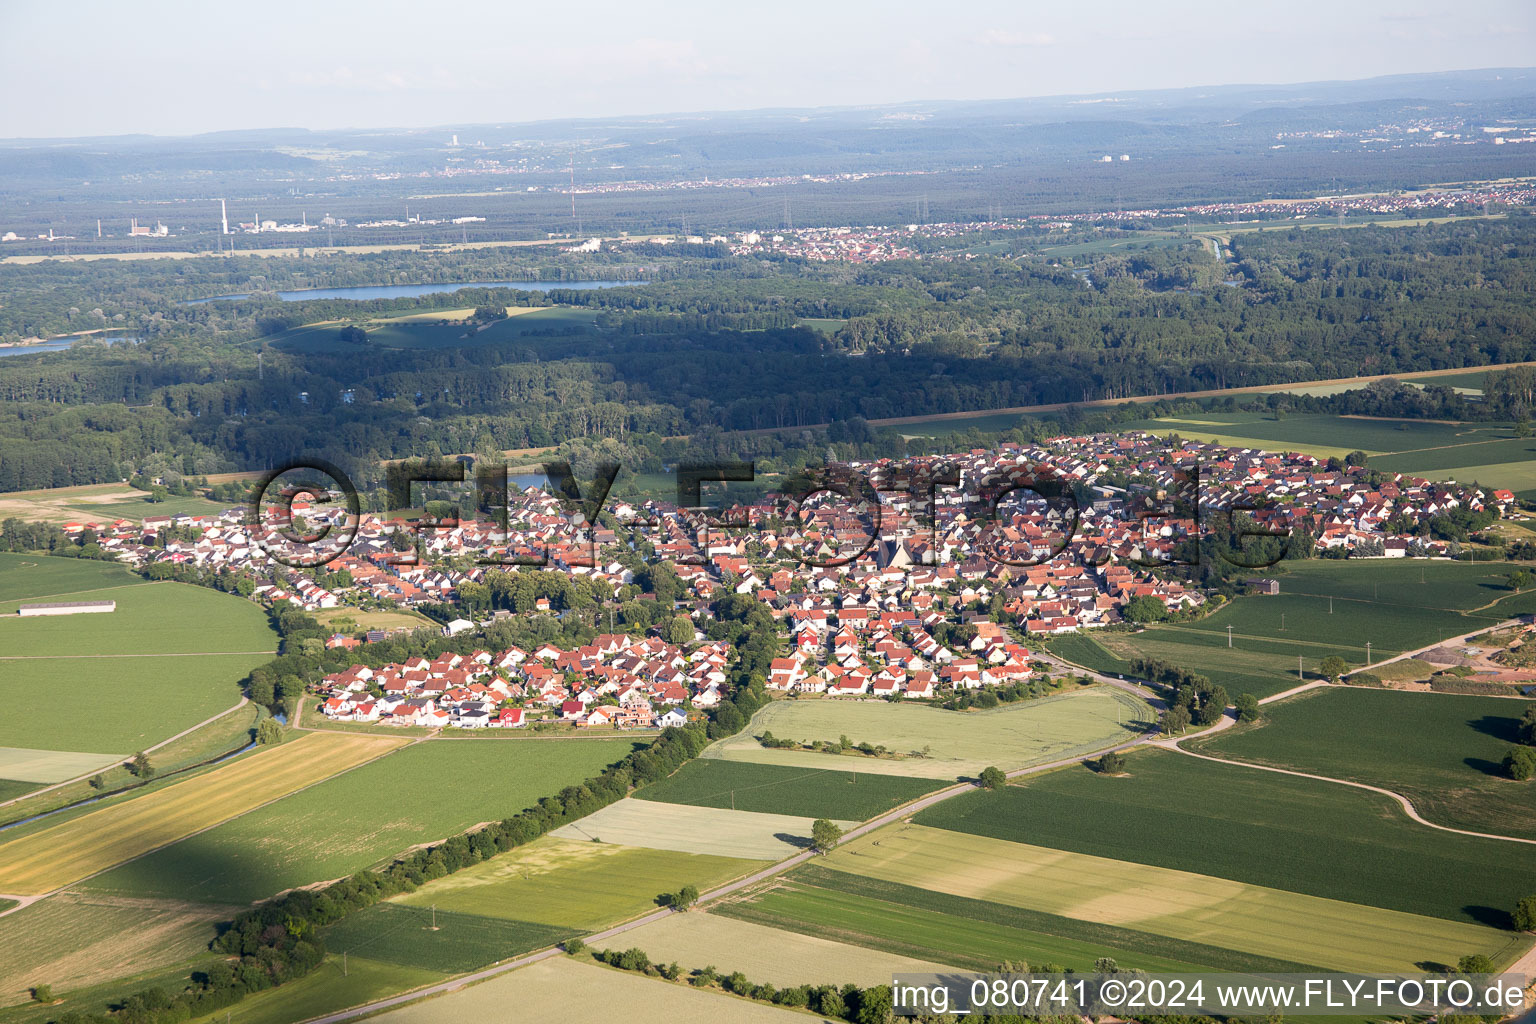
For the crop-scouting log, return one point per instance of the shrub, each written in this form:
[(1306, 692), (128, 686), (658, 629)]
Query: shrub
[(1520, 763)]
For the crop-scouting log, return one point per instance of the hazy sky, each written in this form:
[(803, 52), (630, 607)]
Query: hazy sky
[(89, 67)]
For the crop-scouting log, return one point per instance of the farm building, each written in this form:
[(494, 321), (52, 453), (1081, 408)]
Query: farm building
[(67, 608)]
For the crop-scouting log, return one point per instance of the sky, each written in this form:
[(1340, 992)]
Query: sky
[(176, 67)]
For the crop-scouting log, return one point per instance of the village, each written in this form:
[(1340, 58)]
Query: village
[(895, 602)]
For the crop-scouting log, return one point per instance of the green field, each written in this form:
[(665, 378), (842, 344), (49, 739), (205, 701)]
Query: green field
[(797, 958), (140, 508), (1471, 379), (580, 885), (1255, 669), (717, 831), (420, 793), (1394, 605), (1252, 826), (1491, 454), (821, 324), (1182, 905), (777, 789), (973, 933), (404, 333), (959, 743), (1441, 751), (443, 940), (987, 422), (166, 659), (39, 578), (1323, 433)]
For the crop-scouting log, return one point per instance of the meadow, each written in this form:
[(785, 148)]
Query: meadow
[(1441, 751), (778, 789), (1301, 835), (959, 744), (56, 856), (733, 944), (167, 658), (1179, 904), (975, 934), (449, 941), (579, 885), (423, 332), (584, 993), (712, 830), (75, 940), (423, 792)]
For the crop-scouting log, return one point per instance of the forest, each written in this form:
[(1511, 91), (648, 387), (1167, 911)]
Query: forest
[(714, 345)]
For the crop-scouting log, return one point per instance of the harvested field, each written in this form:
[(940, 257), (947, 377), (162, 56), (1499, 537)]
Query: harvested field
[(699, 939), (722, 833), (43, 861), (1179, 904)]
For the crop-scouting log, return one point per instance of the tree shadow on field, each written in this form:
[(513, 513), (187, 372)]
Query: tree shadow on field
[(1493, 917), (1506, 730), (798, 842), (1486, 767)]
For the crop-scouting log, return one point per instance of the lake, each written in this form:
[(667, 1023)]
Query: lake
[(411, 291), (57, 344)]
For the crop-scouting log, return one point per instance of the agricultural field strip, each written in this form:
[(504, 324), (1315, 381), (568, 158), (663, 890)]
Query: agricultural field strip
[(967, 933), (1180, 904), (46, 861), (1404, 802), (710, 895), (361, 817)]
